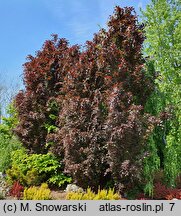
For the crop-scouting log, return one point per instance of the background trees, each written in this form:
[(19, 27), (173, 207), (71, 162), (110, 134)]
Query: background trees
[(8, 121), (8, 141), (163, 41)]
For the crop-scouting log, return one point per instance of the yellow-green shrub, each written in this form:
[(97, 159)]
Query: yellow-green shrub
[(37, 193), (90, 195), (34, 169)]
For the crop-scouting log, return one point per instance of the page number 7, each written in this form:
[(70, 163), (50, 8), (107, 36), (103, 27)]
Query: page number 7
[(172, 205)]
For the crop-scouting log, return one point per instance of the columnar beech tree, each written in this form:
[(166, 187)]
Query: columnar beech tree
[(87, 105)]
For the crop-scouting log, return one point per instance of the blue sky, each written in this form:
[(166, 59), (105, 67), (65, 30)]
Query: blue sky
[(26, 24)]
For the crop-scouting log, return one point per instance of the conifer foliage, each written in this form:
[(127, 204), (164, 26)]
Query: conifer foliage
[(87, 105)]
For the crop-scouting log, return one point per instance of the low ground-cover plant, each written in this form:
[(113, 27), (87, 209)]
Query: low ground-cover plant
[(37, 193), (90, 195), (33, 169), (160, 191)]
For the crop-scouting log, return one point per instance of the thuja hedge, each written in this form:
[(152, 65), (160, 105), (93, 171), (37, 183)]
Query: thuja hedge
[(86, 105)]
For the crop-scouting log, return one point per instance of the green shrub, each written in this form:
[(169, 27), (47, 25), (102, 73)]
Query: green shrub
[(37, 193), (7, 146), (15, 174), (59, 179), (34, 169), (90, 195)]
